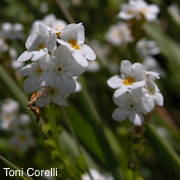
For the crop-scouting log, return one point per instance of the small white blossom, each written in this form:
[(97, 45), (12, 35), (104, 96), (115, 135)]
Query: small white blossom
[(7, 120), (151, 96), (118, 34), (9, 106), (51, 94), (147, 48), (151, 64), (3, 46), (12, 31), (35, 74), (132, 77), (39, 43), (138, 9), (22, 139), (53, 24), (129, 106), (73, 37), (97, 176)]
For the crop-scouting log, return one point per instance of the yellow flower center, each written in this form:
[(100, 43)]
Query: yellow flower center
[(129, 81), (38, 71), (58, 33), (74, 43), (130, 12), (151, 91), (22, 138), (143, 11), (7, 117), (41, 46)]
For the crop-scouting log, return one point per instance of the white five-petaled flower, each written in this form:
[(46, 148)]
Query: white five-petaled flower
[(147, 48), (39, 43), (151, 96), (119, 34), (132, 77), (51, 94), (22, 139), (129, 106), (73, 37), (138, 9), (62, 69)]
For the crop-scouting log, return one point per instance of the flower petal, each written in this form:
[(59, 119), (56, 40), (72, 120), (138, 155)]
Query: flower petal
[(25, 56), (120, 114), (114, 82), (88, 52)]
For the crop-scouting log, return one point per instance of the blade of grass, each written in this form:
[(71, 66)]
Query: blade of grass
[(16, 92), (163, 148), (14, 167)]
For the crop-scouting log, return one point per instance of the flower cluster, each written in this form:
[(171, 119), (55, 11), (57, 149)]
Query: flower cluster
[(57, 54), (136, 93), (138, 9), (16, 123)]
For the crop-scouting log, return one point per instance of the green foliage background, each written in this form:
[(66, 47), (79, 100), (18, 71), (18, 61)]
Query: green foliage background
[(104, 142)]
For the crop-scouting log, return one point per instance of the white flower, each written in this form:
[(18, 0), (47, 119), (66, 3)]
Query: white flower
[(12, 31), (73, 37), (151, 96), (151, 64), (36, 74), (118, 34), (147, 48), (9, 106), (53, 24), (97, 176), (129, 106), (132, 77), (7, 120), (3, 46), (22, 139), (62, 69), (138, 9), (51, 94), (39, 43)]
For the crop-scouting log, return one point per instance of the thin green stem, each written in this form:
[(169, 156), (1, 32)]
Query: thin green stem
[(65, 12), (71, 129), (75, 137), (101, 136), (55, 131), (14, 167), (16, 92)]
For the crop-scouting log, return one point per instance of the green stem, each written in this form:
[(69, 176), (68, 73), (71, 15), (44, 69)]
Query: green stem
[(71, 129), (16, 92), (75, 137), (166, 150), (55, 131), (101, 136), (14, 167)]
